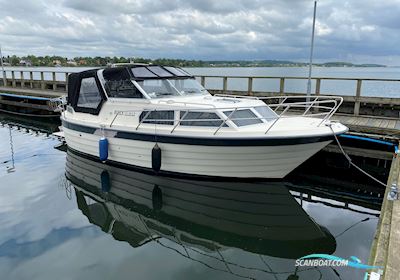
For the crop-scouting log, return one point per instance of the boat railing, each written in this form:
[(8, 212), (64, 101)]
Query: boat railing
[(185, 103), (321, 108), (237, 96)]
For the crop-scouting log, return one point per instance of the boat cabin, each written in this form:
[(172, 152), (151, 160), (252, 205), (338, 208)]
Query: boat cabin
[(168, 96)]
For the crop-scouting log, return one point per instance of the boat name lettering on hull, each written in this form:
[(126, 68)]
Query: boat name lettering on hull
[(125, 113)]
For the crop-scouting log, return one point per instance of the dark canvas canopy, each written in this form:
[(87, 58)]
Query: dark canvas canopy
[(74, 85)]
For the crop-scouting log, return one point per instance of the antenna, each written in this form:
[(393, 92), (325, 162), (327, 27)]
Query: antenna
[(311, 53), (2, 68)]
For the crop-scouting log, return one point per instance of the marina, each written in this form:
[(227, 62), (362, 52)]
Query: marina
[(371, 117), (220, 140)]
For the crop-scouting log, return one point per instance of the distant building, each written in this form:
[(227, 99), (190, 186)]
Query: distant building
[(23, 62), (82, 62), (56, 62), (72, 63)]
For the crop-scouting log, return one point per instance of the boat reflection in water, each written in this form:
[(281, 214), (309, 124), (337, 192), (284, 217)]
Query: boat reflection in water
[(199, 216)]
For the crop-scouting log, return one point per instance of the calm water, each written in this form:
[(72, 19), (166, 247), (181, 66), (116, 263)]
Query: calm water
[(65, 217), (369, 88)]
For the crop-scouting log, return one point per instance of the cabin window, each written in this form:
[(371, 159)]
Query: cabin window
[(118, 84), (266, 112), (89, 94), (177, 71), (143, 72), (188, 87), (159, 71), (158, 88), (243, 117), (157, 117), (122, 89), (200, 119)]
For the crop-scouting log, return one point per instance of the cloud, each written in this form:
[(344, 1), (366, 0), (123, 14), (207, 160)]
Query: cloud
[(256, 29)]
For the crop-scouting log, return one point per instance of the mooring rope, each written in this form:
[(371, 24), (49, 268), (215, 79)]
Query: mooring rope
[(351, 162)]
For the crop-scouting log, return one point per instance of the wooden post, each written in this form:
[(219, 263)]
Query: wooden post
[(31, 78), (13, 79), (203, 81), (225, 85), (54, 81), (5, 79), (42, 80), (250, 86), (4, 76), (318, 87), (282, 86), (66, 82), (22, 79), (357, 100)]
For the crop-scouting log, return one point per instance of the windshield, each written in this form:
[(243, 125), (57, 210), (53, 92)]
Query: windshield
[(159, 88)]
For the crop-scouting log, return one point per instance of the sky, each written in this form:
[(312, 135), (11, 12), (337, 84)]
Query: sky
[(358, 31)]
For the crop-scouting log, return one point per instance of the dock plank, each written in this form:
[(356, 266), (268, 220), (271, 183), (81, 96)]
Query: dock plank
[(370, 122), (361, 121), (351, 120), (376, 122), (391, 124), (397, 126), (384, 123)]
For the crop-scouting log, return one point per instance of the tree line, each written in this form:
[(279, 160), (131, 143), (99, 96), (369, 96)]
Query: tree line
[(87, 61), (31, 60)]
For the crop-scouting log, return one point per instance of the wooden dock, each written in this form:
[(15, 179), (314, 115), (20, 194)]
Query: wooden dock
[(387, 127), (386, 244)]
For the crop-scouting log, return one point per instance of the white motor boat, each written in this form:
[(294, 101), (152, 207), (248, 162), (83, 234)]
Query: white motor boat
[(160, 119)]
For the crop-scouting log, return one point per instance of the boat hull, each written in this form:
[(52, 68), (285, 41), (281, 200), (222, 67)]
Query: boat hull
[(255, 161)]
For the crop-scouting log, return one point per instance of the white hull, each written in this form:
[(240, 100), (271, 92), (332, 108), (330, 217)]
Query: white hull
[(220, 161)]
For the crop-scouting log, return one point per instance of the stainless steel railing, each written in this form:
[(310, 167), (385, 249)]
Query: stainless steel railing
[(318, 107)]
